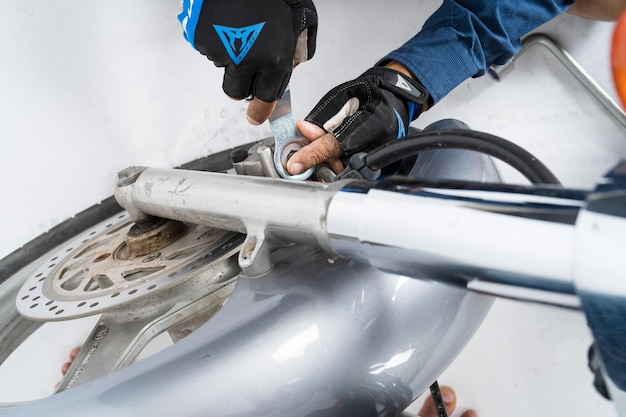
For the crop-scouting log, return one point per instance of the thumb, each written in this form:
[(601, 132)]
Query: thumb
[(309, 130), (323, 149), (259, 110)]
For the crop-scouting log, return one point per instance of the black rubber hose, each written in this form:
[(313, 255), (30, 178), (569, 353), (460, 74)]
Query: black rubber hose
[(508, 152)]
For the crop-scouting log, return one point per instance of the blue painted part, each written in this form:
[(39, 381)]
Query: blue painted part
[(609, 197), (606, 317), (401, 127), (188, 19), (238, 41), (413, 110)]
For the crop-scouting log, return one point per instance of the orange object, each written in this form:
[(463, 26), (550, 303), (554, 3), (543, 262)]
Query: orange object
[(618, 58)]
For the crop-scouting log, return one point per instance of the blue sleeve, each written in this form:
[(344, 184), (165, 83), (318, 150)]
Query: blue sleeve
[(464, 37)]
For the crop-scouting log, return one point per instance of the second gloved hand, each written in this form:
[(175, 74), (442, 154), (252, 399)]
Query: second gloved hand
[(257, 42), (359, 115)]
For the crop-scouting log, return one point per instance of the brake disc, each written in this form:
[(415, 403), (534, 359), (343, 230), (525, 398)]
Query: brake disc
[(118, 263)]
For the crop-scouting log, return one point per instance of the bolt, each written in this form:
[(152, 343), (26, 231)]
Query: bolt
[(151, 257), (101, 332), (129, 175), (290, 154)]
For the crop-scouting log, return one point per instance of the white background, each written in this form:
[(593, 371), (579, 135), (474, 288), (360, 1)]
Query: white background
[(88, 88)]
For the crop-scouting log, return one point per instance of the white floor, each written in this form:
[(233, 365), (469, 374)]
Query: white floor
[(88, 88)]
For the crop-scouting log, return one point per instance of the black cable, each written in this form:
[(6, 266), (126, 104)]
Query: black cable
[(520, 159)]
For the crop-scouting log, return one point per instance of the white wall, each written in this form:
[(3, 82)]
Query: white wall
[(88, 88)]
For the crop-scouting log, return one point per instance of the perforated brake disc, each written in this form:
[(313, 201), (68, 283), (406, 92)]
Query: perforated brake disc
[(117, 263)]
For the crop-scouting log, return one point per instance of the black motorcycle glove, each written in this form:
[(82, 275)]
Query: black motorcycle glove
[(258, 42), (370, 110)]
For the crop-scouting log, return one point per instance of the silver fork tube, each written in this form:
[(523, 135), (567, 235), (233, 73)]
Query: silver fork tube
[(408, 228), (287, 210)]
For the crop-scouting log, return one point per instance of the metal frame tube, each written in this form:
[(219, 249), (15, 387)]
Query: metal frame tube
[(564, 57)]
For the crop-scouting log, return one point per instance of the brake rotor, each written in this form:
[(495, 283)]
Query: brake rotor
[(116, 263)]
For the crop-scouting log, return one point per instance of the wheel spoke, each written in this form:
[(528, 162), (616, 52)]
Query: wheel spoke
[(174, 288), (120, 335)]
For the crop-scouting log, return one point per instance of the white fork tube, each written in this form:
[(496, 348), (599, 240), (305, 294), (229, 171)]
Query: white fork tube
[(440, 234)]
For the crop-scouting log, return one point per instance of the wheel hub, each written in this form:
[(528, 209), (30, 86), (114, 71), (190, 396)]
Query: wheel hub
[(118, 263)]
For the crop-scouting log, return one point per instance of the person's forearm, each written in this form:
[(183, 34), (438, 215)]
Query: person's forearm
[(397, 66), (606, 10), (463, 37)]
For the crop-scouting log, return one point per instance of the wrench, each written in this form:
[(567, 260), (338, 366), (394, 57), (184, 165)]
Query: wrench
[(287, 139)]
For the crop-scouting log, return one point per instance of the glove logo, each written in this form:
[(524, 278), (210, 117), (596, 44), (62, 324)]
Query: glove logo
[(401, 83), (238, 41)]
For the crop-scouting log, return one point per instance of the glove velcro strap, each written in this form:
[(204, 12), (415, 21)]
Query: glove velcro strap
[(399, 84)]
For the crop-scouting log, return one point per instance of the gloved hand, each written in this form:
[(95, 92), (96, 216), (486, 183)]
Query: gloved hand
[(258, 43), (358, 115)]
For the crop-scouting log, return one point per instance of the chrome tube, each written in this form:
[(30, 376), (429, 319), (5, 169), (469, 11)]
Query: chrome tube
[(489, 233)]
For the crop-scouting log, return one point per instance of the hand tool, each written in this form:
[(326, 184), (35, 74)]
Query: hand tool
[(287, 139)]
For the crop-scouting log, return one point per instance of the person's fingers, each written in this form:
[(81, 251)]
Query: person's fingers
[(324, 147), (270, 84), (335, 165), (259, 111), (237, 84), (449, 398), (469, 413), (73, 353), (65, 367), (312, 132), (72, 356), (309, 130)]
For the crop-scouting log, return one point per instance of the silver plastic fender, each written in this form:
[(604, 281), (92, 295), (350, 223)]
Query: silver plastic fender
[(316, 336)]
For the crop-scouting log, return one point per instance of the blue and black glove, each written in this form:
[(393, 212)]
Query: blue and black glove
[(258, 42), (370, 110)]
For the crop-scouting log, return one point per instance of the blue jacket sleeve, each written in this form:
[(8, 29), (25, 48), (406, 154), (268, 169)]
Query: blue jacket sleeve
[(464, 37)]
